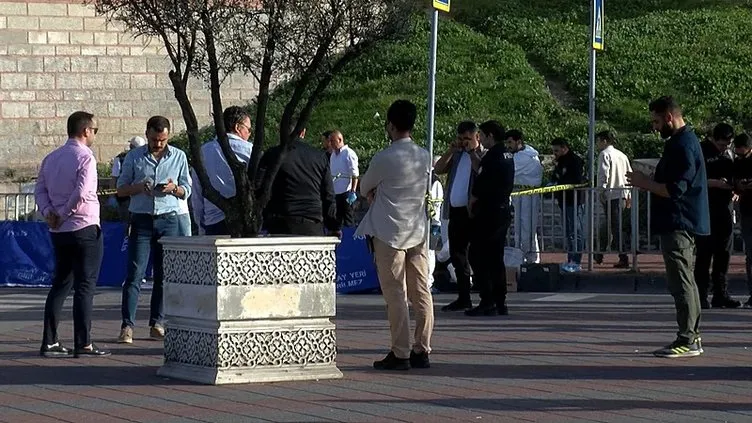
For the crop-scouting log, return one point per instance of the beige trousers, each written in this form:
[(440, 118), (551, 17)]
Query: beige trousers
[(403, 275)]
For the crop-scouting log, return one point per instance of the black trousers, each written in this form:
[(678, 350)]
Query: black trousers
[(715, 247), (459, 249), (294, 225), (487, 256), (78, 257), (345, 213)]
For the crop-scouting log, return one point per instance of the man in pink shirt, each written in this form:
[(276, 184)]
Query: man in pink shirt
[(66, 195)]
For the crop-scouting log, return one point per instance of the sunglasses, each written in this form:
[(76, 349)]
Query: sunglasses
[(94, 129)]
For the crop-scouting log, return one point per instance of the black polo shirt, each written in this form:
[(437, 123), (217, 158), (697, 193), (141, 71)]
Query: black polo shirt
[(743, 174), (495, 180), (718, 165)]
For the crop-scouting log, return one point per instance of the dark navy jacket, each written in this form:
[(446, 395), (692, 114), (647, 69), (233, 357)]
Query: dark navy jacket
[(682, 170), (495, 180)]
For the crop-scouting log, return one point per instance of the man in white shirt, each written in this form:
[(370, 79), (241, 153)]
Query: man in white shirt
[(210, 219), (461, 162), (395, 224), (343, 163), (117, 164), (528, 172), (613, 166)]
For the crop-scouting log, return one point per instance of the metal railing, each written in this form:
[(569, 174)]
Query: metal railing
[(621, 226), (18, 207)]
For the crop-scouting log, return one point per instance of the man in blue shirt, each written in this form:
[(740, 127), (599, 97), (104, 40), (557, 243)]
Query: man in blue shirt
[(209, 217), (155, 177), (680, 212)]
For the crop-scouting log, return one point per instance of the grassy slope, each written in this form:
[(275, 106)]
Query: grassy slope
[(478, 78), (697, 50)]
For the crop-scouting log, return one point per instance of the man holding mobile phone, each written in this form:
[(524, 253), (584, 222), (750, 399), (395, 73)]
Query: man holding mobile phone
[(461, 162), (156, 179)]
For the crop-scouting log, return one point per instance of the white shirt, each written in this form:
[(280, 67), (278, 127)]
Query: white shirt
[(613, 166), (220, 177), (115, 167), (458, 195), (344, 167), (397, 216), (528, 169)]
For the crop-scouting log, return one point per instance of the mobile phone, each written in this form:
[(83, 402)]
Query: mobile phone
[(160, 187)]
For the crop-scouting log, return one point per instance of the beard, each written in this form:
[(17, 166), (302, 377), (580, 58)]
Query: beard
[(666, 131)]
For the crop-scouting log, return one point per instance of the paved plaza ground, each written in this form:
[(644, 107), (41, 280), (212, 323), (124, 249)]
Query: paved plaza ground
[(577, 355)]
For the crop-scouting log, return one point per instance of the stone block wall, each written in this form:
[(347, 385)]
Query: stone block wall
[(57, 56)]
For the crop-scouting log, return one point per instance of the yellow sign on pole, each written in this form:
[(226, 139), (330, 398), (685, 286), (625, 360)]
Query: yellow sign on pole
[(442, 5)]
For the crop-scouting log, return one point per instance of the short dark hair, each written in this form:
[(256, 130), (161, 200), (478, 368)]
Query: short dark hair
[(560, 142), (743, 140), (402, 114), (234, 115), (158, 124), (467, 126), (665, 104), (78, 122), (723, 131), (607, 136), (516, 135), (327, 134), (493, 128)]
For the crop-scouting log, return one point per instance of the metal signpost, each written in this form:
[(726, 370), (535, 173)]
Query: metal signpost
[(596, 30), (443, 5)]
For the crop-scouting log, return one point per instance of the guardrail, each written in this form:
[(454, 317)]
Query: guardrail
[(17, 206)]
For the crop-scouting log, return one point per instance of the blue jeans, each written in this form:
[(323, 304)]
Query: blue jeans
[(184, 225), (146, 230), (574, 222)]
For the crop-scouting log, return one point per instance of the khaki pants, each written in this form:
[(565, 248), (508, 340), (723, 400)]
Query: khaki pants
[(678, 248), (403, 275)]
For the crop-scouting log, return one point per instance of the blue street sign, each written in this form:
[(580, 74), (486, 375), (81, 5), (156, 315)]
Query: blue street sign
[(598, 24)]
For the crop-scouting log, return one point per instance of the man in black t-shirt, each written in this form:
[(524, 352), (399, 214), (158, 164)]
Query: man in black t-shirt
[(716, 247), (743, 187), (570, 169)]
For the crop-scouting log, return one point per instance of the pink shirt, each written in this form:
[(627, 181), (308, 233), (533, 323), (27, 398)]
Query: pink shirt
[(67, 185)]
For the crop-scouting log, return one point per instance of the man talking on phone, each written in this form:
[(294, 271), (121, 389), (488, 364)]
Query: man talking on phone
[(155, 177), (461, 162)]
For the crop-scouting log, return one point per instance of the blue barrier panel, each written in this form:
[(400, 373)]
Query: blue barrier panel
[(26, 257), (356, 271)]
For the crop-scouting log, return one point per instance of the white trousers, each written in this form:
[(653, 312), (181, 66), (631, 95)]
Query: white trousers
[(526, 216)]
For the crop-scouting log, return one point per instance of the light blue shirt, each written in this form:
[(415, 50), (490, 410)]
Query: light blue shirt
[(139, 165), (220, 177)]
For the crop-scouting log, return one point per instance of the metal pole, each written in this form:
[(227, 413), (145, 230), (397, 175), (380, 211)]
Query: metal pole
[(431, 99), (591, 135)]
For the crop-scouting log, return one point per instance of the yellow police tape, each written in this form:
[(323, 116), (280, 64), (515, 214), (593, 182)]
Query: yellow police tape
[(548, 190)]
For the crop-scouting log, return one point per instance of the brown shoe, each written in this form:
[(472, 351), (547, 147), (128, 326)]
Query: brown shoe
[(126, 335), (157, 333)]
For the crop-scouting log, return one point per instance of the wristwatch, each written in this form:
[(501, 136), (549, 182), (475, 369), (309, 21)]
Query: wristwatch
[(175, 190)]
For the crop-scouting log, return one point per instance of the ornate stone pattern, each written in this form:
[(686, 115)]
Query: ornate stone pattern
[(190, 267), (191, 347), (276, 267), (252, 349)]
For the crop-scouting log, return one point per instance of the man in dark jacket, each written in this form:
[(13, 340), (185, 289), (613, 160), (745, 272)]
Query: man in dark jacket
[(716, 247), (490, 219), (569, 171), (743, 187), (680, 212), (302, 194)]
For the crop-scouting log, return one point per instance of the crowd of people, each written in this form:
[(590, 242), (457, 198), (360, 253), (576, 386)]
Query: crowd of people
[(314, 191)]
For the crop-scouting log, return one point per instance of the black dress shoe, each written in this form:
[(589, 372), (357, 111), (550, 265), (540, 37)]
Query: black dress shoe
[(724, 301), (419, 360), (52, 351), (458, 305), (482, 310), (93, 352), (391, 362), (502, 310)]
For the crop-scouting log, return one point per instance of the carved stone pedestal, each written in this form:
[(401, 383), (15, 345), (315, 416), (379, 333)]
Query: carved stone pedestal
[(249, 310)]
